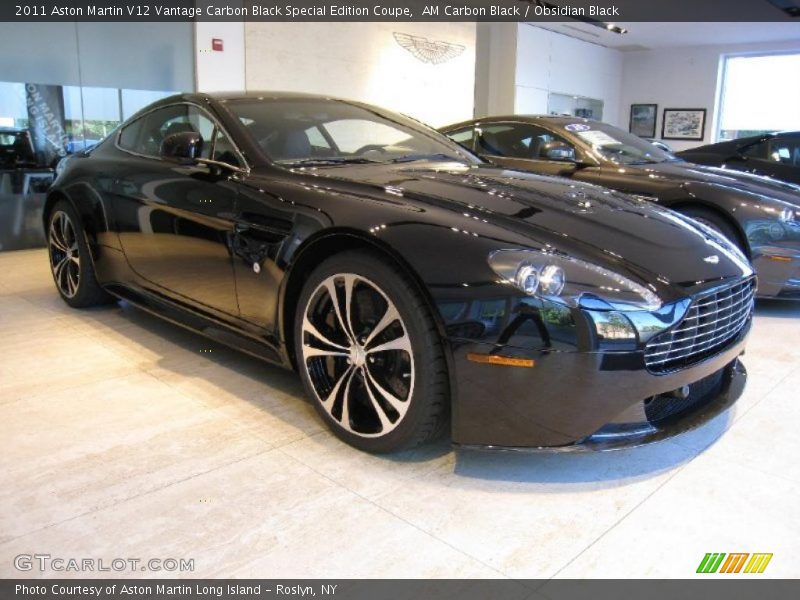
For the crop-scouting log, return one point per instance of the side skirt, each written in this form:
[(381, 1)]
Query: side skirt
[(199, 323)]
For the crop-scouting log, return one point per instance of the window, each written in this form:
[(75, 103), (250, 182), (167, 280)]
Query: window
[(785, 150), (759, 94), (332, 131), (129, 135), (522, 141), (463, 137), (144, 136)]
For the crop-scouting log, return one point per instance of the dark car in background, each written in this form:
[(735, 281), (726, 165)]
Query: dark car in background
[(404, 278), (761, 216), (774, 155), (16, 149)]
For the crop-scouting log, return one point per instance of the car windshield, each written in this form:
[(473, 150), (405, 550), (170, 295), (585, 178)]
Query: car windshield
[(617, 145), (323, 132)]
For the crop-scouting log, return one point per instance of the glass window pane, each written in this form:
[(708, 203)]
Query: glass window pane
[(760, 94)]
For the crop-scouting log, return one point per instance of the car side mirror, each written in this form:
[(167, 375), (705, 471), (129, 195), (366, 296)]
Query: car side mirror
[(183, 148), (558, 151)]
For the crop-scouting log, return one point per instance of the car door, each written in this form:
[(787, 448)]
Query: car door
[(175, 222), (525, 146), (269, 229)]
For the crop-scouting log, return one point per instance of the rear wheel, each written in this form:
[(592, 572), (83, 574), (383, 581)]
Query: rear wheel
[(716, 222), (369, 354), (70, 262)]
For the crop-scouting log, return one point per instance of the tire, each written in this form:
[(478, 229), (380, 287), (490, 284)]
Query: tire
[(70, 261), (378, 401), (717, 222)]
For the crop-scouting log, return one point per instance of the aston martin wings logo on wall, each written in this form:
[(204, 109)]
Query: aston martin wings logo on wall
[(427, 51)]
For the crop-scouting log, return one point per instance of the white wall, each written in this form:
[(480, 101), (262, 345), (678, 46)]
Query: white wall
[(495, 68), (683, 78), (362, 61), (549, 62), (219, 71)]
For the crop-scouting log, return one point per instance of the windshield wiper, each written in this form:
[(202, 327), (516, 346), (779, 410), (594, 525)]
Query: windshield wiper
[(644, 162), (413, 157), (341, 160)]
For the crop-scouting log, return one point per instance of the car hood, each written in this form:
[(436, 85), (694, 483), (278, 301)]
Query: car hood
[(518, 209), (682, 173)]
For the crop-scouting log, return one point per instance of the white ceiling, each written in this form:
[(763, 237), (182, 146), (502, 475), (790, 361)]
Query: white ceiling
[(643, 36)]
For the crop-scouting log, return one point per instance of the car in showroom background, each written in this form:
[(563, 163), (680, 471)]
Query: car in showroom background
[(413, 286), (771, 154), (760, 216)]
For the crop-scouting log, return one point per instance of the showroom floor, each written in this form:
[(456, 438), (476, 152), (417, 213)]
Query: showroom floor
[(126, 437)]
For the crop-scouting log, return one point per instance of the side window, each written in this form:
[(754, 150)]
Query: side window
[(495, 140), (545, 145), (224, 150), (785, 150), (319, 145), (759, 150), (523, 141), (184, 118), (144, 136), (463, 137), (129, 136)]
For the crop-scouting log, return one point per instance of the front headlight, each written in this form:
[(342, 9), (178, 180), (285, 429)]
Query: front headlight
[(571, 281), (787, 215)]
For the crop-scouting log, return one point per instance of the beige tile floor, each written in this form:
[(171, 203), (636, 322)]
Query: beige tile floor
[(126, 437)]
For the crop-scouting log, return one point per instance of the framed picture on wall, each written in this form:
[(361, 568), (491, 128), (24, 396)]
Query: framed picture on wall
[(643, 120), (683, 124)]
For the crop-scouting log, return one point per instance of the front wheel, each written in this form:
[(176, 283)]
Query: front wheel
[(369, 354)]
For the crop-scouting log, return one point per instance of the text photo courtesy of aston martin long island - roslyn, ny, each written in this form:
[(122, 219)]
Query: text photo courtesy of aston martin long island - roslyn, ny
[(399, 299)]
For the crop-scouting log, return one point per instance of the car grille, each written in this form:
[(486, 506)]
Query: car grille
[(712, 321)]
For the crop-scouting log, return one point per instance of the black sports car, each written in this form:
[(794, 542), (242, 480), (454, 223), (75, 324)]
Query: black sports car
[(760, 215), (773, 155), (402, 277)]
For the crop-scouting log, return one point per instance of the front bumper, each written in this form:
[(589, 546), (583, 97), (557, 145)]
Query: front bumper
[(573, 400)]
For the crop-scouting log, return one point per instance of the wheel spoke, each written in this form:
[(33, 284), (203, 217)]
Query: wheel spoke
[(330, 399), (308, 327), (311, 352), (58, 271), (345, 420), (330, 286), (390, 316), (54, 239), (386, 423), (72, 278), (64, 224), (399, 405), (401, 343), (349, 282)]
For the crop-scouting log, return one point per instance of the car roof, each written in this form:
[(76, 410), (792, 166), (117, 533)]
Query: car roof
[(552, 119), (234, 95)]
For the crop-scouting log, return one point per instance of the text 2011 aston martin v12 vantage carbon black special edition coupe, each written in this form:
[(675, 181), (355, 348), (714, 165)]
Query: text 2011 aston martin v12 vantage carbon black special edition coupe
[(402, 277), (760, 215)]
